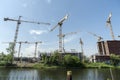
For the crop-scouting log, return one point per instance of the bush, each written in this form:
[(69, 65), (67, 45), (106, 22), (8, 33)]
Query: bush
[(72, 61), (2, 63), (115, 59)]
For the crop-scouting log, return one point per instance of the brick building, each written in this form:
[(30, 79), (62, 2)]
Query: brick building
[(109, 47), (105, 48)]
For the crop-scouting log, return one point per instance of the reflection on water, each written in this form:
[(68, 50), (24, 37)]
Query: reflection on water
[(36, 74)]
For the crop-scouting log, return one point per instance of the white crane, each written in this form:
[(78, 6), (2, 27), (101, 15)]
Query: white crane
[(17, 29), (60, 30), (108, 22), (99, 40), (98, 37), (81, 43), (20, 44), (63, 36), (36, 44)]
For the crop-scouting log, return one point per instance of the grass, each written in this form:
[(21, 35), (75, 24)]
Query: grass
[(98, 65), (43, 66), (87, 65)]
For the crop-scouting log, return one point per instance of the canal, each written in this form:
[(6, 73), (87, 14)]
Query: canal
[(59, 74)]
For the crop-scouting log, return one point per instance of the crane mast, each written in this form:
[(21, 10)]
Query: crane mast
[(60, 38), (110, 26), (81, 43), (36, 44), (20, 44), (99, 40), (17, 29), (63, 37), (60, 23)]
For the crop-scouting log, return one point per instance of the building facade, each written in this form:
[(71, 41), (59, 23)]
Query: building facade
[(105, 48), (109, 47)]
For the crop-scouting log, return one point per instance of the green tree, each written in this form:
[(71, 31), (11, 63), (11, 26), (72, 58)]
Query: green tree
[(8, 58), (43, 57), (10, 55), (5, 59), (115, 59), (72, 61), (2, 55), (52, 59), (55, 58)]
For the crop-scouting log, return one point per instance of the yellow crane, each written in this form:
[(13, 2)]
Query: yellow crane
[(17, 29), (60, 23)]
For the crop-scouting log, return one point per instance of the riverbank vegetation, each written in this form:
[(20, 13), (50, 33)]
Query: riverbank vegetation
[(58, 60)]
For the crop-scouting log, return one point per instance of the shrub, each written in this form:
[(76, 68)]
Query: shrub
[(72, 61)]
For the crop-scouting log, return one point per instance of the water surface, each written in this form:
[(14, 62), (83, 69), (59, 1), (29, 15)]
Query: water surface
[(59, 74)]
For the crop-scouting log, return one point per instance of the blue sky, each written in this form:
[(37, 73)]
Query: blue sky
[(84, 15)]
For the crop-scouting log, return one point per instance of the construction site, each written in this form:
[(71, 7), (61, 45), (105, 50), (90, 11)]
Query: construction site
[(37, 56), (105, 48)]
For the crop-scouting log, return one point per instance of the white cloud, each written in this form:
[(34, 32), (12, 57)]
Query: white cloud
[(37, 32), (29, 51), (69, 39)]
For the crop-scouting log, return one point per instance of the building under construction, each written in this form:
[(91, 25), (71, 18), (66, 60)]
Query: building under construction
[(109, 47), (105, 48)]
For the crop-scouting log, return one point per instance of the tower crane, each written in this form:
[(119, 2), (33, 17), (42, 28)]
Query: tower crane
[(98, 37), (17, 29), (20, 44), (108, 22), (99, 40), (63, 37), (81, 43), (60, 23), (36, 44)]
